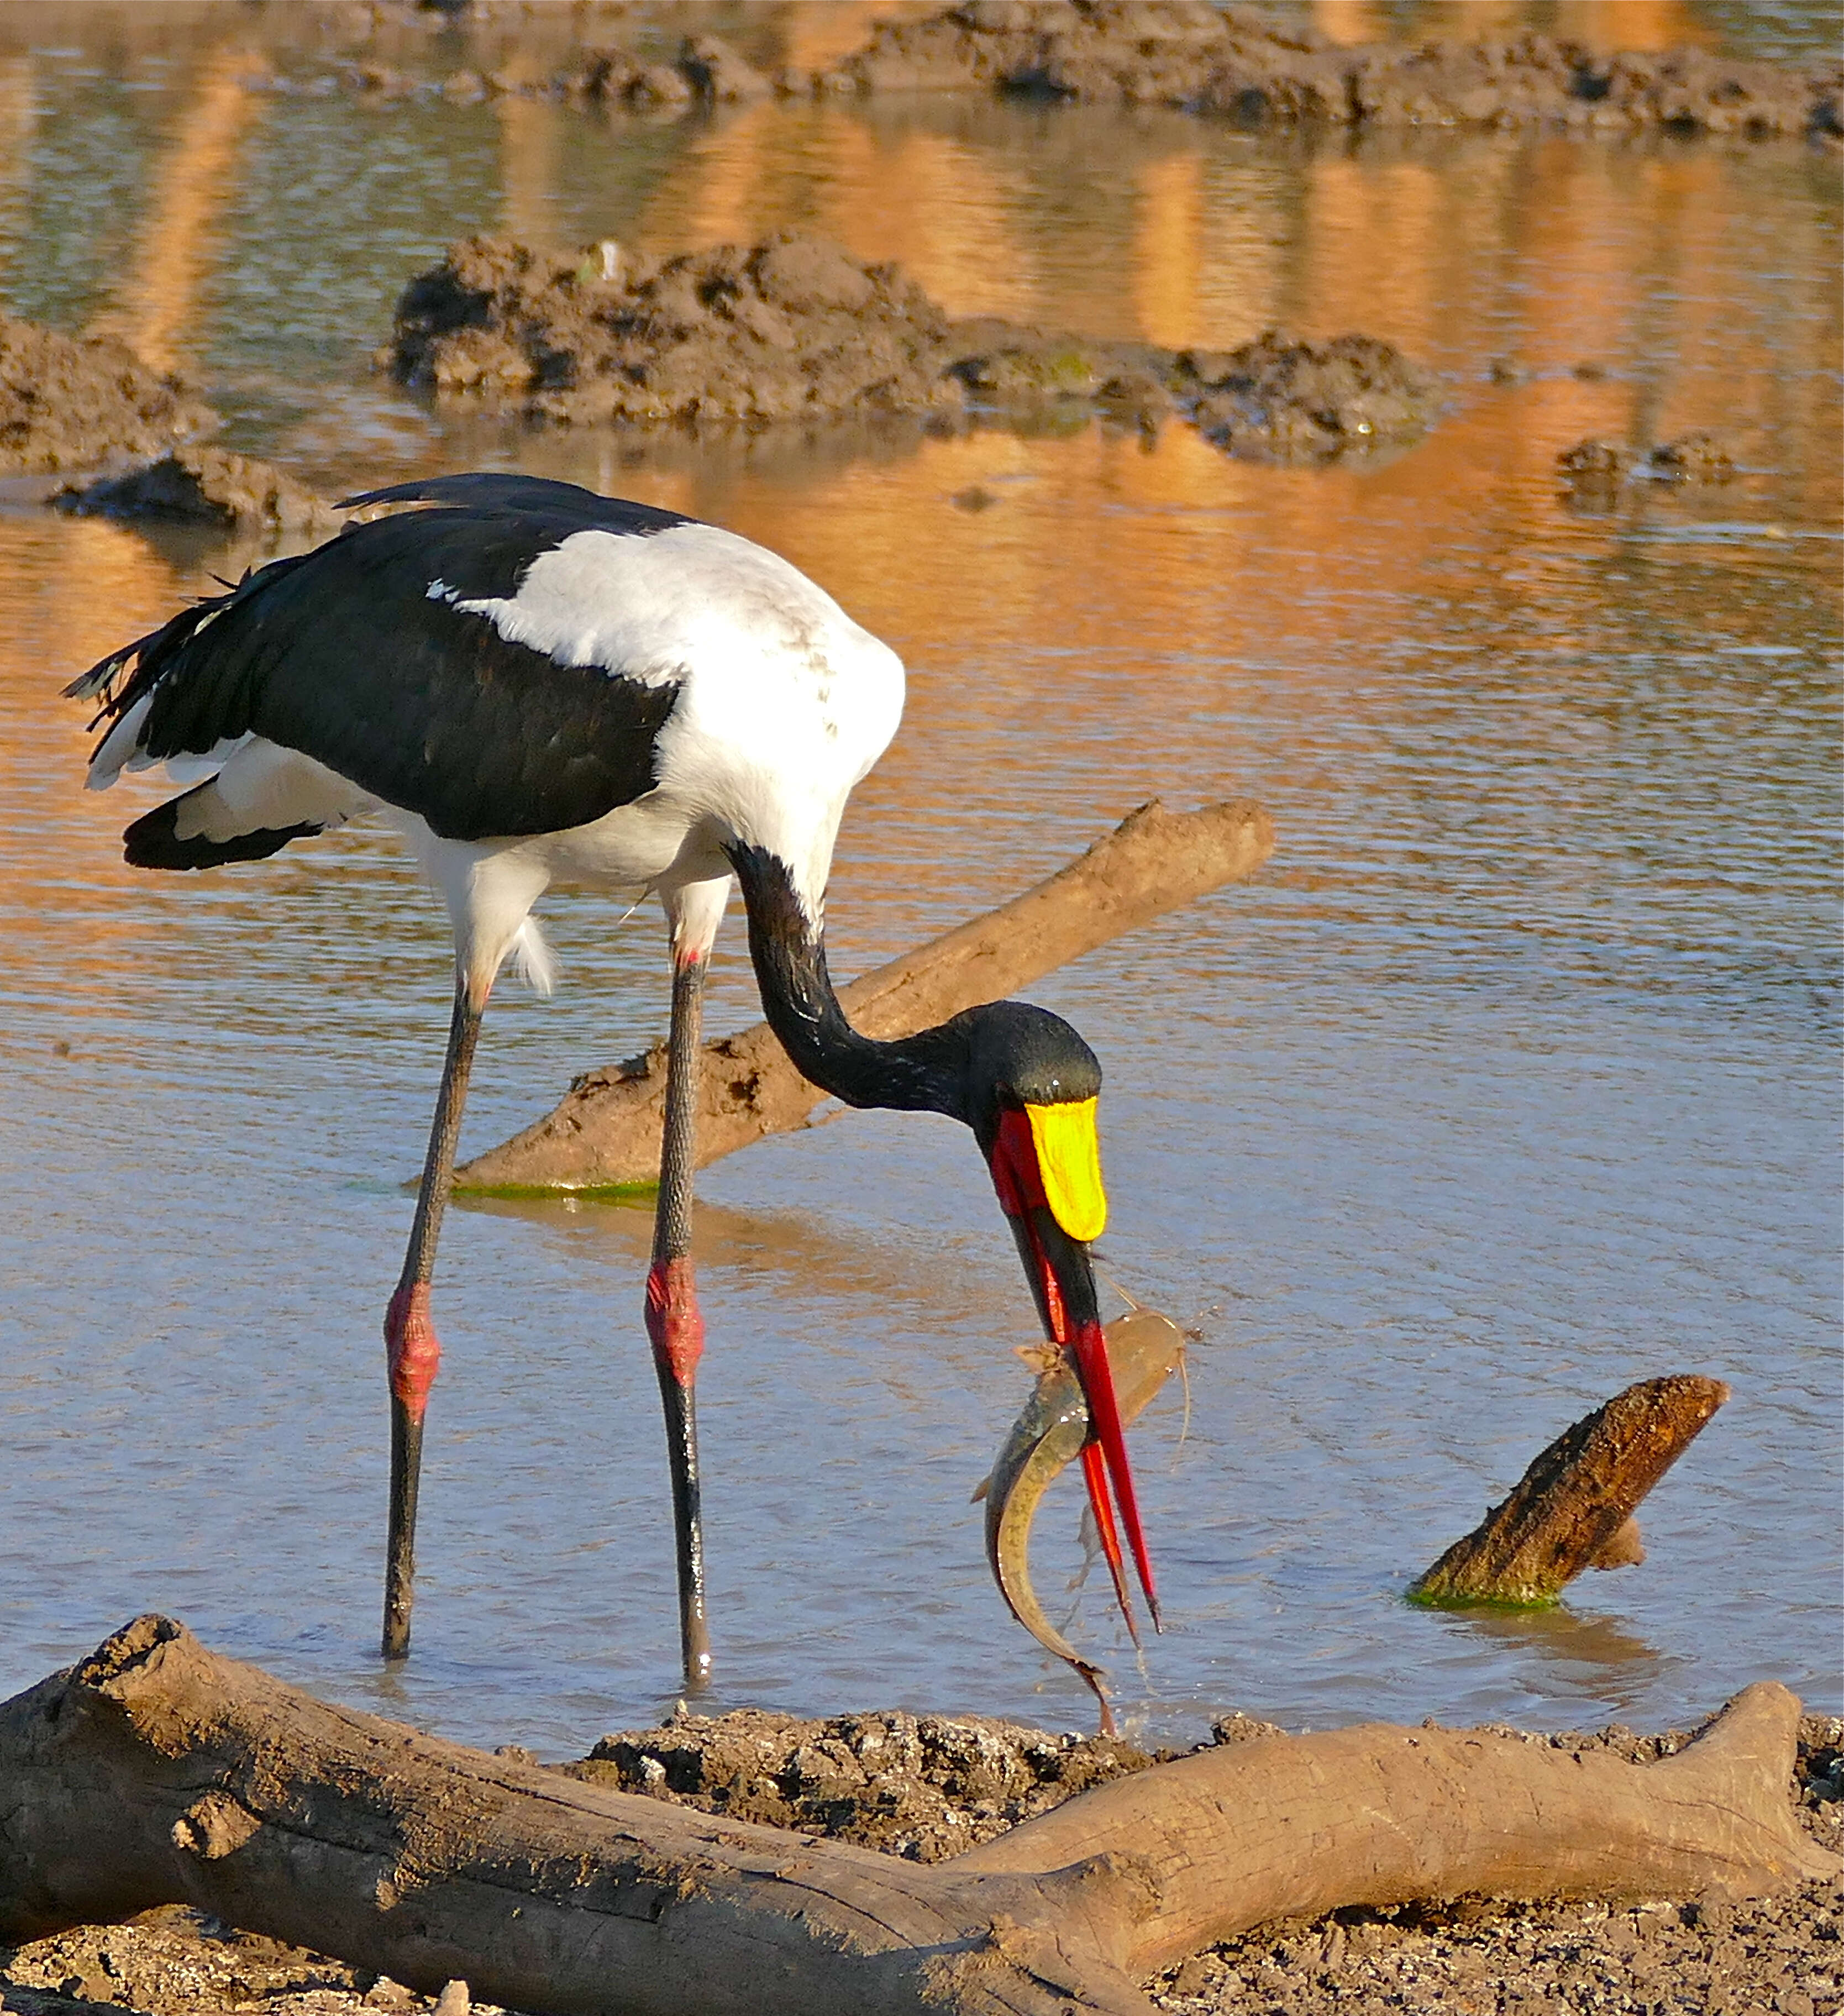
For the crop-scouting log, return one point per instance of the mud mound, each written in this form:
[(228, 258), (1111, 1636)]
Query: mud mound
[(1297, 401), (1532, 79), (920, 1786), (796, 328), (205, 486), (1139, 52), (780, 330), (1696, 458), (708, 70), (70, 403), (1191, 55), (1186, 54)]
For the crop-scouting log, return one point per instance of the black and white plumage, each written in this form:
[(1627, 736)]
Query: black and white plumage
[(534, 683), (531, 680)]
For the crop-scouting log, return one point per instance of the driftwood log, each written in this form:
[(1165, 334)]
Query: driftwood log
[(1573, 1509), (156, 1772), (605, 1132)]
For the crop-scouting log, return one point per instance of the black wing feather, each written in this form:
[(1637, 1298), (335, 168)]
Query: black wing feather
[(342, 654), (537, 496), (153, 841)]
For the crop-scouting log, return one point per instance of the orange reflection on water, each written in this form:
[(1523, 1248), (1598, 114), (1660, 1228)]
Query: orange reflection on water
[(816, 33), (18, 120), (157, 307), (71, 590), (1171, 242), (531, 152), (1349, 22), (1629, 24), (1602, 25), (1627, 258)]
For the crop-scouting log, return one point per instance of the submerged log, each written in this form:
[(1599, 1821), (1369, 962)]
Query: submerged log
[(1573, 1507), (605, 1132), (156, 1772)]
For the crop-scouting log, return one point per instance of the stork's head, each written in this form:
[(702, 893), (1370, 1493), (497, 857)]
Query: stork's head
[(1032, 1090), (1027, 1084)]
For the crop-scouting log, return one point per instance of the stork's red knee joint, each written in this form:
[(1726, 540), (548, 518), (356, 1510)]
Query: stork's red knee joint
[(673, 1320), (409, 1338)]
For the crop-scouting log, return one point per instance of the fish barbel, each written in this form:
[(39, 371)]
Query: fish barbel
[(1143, 1348)]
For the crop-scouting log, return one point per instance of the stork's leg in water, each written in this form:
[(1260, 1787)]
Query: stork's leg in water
[(673, 1321), (409, 1336)]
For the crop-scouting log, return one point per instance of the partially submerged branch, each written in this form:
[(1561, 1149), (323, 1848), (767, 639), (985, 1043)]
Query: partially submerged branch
[(1573, 1509), (605, 1132), (156, 1772)]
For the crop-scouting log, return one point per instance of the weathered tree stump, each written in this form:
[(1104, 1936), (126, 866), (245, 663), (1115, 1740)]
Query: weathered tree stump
[(605, 1132), (157, 1772), (1573, 1507)]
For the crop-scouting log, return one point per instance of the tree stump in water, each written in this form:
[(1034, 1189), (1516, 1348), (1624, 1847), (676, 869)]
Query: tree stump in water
[(1573, 1507)]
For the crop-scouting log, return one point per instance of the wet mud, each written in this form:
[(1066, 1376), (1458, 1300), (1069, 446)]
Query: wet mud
[(1596, 467), (780, 330), (205, 487), (930, 1786), (1187, 55), (71, 403), (797, 329), (1292, 401), (1236, 62), (923, 1786)]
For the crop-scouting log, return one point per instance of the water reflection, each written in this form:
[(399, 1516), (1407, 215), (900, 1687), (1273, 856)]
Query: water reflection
[(784, 1248), (1520, 1058), (156, 305), (1591, 1658)]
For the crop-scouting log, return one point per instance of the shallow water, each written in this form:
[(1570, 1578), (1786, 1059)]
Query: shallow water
[(1511, 1080)]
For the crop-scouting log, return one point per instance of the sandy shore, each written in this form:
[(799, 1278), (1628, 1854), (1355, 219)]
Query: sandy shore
[(927, 1786)]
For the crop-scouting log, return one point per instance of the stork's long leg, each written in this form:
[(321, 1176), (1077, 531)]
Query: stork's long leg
[(409, 1336), (673, 1321)]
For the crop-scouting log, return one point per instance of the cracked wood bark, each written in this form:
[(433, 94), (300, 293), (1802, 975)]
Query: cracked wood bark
[(1573, 1509), (158, 1772), (605, 1132)]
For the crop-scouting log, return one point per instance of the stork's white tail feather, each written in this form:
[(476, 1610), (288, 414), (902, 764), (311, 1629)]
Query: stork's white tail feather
[(532, 957)]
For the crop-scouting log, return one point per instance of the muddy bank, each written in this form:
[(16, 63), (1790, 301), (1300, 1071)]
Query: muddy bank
[(797, 329), (1236, 62), (1239, 62), (929, 1786), (77, 403), (206, 486)]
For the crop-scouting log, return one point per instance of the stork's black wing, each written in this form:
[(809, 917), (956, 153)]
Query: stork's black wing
[(344, 654), (537, 497)]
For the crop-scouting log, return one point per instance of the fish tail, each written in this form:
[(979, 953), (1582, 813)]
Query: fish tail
[(1095, 1677)]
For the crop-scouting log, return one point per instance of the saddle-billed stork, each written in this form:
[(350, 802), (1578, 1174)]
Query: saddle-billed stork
[(535, 683)]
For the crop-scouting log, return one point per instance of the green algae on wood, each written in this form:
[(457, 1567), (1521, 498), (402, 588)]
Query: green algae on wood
[(1573, 1507)]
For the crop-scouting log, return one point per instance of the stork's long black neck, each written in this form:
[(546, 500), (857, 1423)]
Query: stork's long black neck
[(925, 1073)]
